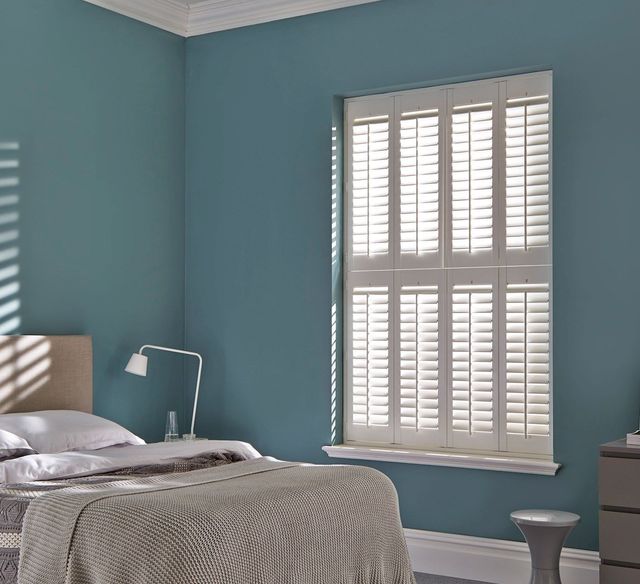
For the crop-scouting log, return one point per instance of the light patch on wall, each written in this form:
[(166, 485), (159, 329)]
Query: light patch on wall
[(25, 366), (334, 268), (24, 361), (9, 251), (334, 195), (334, 373)]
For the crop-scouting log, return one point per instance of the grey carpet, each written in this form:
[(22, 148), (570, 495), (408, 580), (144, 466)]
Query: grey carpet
[(427, 579)]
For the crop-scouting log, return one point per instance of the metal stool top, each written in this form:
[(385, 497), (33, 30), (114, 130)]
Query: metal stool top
[(545, 518)]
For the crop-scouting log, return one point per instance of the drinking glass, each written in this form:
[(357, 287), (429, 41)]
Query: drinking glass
[(171, 433)]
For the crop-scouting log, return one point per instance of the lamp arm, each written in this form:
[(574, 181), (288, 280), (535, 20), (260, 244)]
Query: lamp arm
[(182, 352), (195, 398)]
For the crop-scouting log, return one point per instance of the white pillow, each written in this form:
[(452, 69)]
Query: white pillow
[(12, 446), (54, 431)]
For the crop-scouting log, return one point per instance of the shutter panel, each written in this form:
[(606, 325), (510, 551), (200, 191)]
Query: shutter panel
[(527, 173), (419, 357), (473, 367), (420, 183), (370, 197), (472, 179), (527, 359), (370, 363), (421, 374), (369, 184)]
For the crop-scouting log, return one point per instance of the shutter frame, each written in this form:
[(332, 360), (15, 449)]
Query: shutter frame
[(377, 107), (420, 101), (409, 282), (517, 88), (463, 278), (461, 99), (498, 265), (535, 277), (356, 432)]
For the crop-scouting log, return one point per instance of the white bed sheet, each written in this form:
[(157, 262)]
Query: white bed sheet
[(41, 467)]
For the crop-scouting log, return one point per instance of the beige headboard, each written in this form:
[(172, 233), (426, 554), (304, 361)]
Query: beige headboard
[(46, 373)]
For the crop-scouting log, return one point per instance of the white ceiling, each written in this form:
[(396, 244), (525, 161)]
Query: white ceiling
[(194, 17)]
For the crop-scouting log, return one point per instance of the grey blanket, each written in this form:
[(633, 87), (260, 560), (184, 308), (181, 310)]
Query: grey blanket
[(15, 499), (253, 522)]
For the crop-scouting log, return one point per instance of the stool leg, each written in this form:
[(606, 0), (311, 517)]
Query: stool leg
[(545, 545)]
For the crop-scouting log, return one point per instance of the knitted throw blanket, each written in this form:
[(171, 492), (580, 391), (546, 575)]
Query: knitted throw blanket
[(16, 498), (253, 522)]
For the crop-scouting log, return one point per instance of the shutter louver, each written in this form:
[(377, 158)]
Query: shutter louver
[(472, 179), (527, 173), (370, 356), (472, 359), (527, 359), (419, 183), (419, 358), (370, 187)]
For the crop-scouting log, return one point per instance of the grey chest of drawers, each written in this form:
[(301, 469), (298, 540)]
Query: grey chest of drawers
[(619, 472)]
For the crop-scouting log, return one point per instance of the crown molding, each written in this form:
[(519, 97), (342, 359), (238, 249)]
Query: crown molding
[(168, 15), (204, 16), (207, 16)]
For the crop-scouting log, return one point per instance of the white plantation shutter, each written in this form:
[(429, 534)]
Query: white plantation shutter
[(421, 375), (370, 175), (420, 184), (527, 174), (527, 359), (370, 185), (370, 362), (473, 368), (472, 179), (448, 267)]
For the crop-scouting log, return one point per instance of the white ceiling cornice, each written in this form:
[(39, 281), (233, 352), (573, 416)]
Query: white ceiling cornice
[(170, 15), (195, 17), (215, 15)]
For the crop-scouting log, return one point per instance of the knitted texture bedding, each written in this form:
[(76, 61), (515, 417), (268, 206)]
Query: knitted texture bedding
[(254, 522), (16, 498)]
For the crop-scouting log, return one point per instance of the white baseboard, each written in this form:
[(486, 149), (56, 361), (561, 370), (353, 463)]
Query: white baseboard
[(491, 560)]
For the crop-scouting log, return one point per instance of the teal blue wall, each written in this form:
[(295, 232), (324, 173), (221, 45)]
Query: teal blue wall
[(96, 101), (259, 113)]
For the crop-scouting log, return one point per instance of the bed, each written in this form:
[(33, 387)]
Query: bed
[(201, 512)]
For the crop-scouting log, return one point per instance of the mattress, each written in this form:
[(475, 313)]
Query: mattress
[(16, 498)]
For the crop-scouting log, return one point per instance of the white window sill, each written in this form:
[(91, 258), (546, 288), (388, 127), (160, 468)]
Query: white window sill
[(482, 461)]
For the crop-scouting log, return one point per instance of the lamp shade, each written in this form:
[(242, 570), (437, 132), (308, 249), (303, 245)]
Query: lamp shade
[(137, 365)]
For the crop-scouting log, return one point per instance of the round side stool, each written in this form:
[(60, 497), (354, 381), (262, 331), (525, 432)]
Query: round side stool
[(545, 532)]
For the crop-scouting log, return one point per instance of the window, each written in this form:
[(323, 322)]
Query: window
[(448, 268)]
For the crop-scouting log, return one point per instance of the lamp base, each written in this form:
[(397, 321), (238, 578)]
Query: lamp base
[(188, 436)]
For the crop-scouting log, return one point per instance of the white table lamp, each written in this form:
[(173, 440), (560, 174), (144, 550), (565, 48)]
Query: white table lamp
[(137, 365)]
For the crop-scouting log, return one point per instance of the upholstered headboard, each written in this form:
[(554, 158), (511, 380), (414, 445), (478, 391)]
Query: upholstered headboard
[(46, 373)]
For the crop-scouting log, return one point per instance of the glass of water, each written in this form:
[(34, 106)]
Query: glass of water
[(171, 433)]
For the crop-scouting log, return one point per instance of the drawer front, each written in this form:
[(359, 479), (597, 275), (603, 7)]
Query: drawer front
[(620, 537), (617, 575), (620, 482)]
